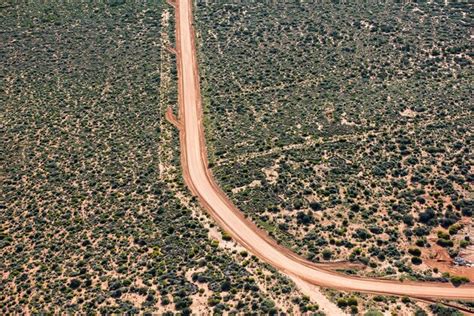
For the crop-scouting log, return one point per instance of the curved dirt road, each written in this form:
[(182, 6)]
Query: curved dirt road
[(202, 184)]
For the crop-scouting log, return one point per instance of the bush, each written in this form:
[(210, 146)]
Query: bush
[(408, 219), (341, 303), (304, 218), (376, 230), (315, 206), (445, 243), (362, 234), (443, 235), (355, 208), (165, 300), (421, 231), (75, 283), (420, 243), (427, 216), (420, 312), (226, 236), (226, 286), (440, 310), (327, 254), (352, 301), (416, 260), (457, 280), (453, 229), (213, 300), (414, 252), (182, 302), (373, 312)]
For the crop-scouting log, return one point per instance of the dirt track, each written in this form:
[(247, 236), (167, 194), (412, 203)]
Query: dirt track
[(201, 183)]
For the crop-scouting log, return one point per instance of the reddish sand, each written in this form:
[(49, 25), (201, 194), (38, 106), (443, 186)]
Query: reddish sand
[(172, 118), (438, 257), (200, 181)]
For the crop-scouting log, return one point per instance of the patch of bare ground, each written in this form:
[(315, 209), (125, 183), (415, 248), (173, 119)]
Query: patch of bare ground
[(134, 298), (468, 252), (437, 257), (408, 113), (325, 305), (271, 174), (165, 152), (200, 299), (253, 184)]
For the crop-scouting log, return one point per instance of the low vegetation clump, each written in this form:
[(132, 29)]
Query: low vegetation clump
[(458, 280), (367, 304), (438, 309)]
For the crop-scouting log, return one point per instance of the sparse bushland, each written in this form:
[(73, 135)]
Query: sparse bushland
[(94, 217), (353, 120)]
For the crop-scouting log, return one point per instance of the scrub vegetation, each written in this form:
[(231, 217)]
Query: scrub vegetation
[(350, 127), (94, 216)]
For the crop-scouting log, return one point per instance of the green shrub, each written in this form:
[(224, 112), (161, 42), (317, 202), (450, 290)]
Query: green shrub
[(352, 301), (327, 253), (341, 302), (453, 229), (445, 242), (414, 252), (443, 235), (373, 312), (416, 260), (213, 300), (226, 236), (457, 280)]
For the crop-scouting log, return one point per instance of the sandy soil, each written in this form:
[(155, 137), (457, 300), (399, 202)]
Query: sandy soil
[(438, 257), (325, 305), (200, 181), (169, 115)]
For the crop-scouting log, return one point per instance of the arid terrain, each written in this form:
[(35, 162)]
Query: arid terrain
[(330, 144), (94, 216), (350, 128), (345, 132)]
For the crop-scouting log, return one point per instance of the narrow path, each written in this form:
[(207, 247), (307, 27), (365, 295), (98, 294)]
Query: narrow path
[(201, 183)]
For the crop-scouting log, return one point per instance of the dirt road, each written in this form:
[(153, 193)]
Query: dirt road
[(202, 184)]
